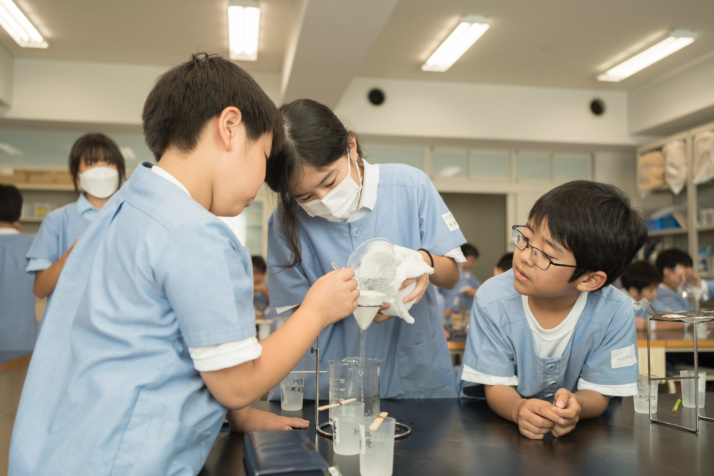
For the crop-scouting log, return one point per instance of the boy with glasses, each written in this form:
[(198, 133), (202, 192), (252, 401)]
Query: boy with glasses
[(550, 340)]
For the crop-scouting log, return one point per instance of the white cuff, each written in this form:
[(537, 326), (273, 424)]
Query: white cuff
[(470, 375), (216, 357), (624, 390)]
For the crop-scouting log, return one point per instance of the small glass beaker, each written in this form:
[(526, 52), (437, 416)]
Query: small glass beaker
[(346, 382)]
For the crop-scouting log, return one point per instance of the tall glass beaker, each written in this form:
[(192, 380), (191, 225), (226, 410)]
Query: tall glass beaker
[(346, 382)]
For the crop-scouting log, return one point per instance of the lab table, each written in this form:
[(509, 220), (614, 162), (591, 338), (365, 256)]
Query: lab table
[(464, 437)]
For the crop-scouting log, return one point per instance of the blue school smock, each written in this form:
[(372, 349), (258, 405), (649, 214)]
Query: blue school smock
[(455, 299), (408, 212), (58, 232), (602, 349), (18, 324), (669, 300), (111, 387)]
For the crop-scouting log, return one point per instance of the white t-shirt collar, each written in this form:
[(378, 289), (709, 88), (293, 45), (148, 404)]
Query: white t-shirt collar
[(162, 173)]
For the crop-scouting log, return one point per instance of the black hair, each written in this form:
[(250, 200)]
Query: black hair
[(596, 222), (10, 203), (505, 262), (188, 96), (640, 275), (671, 258), (259, 263), (89, 149), (314, 137), (469, 250)]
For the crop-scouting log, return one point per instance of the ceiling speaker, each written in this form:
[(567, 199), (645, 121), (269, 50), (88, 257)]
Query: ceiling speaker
[(597, 107), (375, 96)]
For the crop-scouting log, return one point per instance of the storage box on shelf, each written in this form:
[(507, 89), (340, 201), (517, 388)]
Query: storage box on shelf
[(42, 190), (695, 203)]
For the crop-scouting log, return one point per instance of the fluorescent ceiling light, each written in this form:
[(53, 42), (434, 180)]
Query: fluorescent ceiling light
[(675, 41), (469, 30), (19, 27), (243, 29)]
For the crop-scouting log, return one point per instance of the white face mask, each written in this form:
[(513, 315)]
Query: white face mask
[(100, 182), (341, 202)]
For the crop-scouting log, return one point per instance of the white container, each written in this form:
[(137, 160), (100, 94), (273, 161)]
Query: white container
[(345, 428), (688, 388), (646, 395), (292, 388), (376, 456)]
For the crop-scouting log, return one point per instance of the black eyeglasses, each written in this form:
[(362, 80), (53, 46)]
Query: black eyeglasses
[(538, 257)]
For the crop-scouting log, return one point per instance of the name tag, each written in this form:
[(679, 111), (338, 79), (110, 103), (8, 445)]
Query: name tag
[(624, 357), (450, 221)]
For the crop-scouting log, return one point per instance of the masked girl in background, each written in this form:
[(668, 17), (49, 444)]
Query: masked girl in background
[(331, 201), (97, 166)]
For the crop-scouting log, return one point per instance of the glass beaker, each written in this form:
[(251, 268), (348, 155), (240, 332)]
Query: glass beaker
[(346, 382), (373, 264)]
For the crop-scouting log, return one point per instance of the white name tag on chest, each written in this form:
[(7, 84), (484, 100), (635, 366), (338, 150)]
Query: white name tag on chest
[(624, 357)]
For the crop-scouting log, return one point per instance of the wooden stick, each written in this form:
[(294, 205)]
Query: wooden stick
[(377, 421), (333, 405)]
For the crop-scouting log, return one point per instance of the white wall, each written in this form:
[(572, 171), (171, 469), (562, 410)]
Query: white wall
[(481, 111), (673, 99), (6, 78), (79, 92)]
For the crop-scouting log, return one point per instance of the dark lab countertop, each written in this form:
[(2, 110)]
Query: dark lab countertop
[(460, 437)]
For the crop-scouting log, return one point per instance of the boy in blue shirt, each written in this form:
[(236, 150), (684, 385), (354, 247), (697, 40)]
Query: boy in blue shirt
[(461, 297), (550, 339), (150, 337), (640, 281), (18, 324), (674, 265)]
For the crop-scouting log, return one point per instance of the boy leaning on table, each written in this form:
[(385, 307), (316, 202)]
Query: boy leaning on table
[(551, 340)]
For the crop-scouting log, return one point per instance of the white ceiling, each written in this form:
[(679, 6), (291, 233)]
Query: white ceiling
[(318, 46)]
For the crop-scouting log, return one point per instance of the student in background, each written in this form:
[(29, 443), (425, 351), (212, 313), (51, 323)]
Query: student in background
[(550, 340), (261, 295), (461, 297), (640, 281), (676, 268), (505, 263), (18, 323), (97, 167), (330, 201), (150, 337), (674, 265)]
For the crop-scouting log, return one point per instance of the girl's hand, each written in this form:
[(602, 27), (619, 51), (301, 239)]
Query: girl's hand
[(333, 296), (422, 284), (379, 318), (249, 419)]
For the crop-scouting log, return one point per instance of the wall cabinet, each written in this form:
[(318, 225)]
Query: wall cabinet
[(695, 202)]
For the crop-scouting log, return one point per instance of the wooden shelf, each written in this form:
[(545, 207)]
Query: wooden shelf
[(31, 219), (51, 187), (670, 232)]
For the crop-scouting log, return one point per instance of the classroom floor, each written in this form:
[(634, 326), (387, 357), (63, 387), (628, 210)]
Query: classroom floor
[(10, 390)]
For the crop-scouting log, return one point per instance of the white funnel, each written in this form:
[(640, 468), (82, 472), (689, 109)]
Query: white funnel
[(368, 303)]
